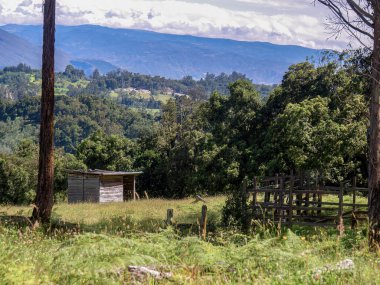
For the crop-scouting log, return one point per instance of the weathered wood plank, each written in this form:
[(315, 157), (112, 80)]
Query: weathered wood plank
[(111, 189)]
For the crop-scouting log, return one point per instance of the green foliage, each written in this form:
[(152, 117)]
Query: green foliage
[(62, 163), (18, 175), (311, 136), (13, 132), (101, 151), (76, 119)]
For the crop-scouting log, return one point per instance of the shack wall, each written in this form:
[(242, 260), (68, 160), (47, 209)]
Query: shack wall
[(83, 188), (91, 189), (111, 189), (75, 188), (129, 187)]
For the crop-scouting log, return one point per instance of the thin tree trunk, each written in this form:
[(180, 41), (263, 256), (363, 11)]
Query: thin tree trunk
[(374, 148), (44, 198)]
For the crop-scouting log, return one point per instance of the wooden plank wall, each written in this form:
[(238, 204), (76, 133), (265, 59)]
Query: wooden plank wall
[(111, 189), (91, 189), (75, 188), (129, 188)]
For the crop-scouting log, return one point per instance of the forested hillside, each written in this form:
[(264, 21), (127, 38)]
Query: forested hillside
[(189, 136), (120, 102)]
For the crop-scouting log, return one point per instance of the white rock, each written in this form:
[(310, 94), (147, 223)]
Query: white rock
[(345, 264)]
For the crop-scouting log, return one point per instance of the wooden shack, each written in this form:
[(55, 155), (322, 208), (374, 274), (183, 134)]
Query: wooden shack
[(100, 186)]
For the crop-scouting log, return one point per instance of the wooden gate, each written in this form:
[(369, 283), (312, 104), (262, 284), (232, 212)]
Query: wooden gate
[(300, 200)]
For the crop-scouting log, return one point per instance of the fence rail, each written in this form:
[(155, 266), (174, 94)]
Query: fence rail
[(301, 200)]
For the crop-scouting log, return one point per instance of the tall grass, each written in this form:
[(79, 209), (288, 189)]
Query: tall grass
[(95, 244)]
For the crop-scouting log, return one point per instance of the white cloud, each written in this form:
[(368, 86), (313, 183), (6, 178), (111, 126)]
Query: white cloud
[(278, 21), (26, 3)]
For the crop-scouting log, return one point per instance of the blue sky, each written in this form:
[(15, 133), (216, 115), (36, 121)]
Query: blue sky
[(296, 22)]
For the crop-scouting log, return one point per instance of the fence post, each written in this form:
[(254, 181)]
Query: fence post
[(282, 192), (254, 201), (340, 212), (307, 196), (266, 194), (315, 195), (276, 187), (203, 223), (353, 218), (290, 213), (299, 197), (319, 212), (169, 216), (244, 196)]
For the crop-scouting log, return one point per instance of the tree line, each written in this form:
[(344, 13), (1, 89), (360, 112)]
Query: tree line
[(315, 120)]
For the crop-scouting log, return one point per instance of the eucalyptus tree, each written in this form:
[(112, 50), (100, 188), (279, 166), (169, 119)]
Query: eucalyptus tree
[(44, 199), (361, 19)]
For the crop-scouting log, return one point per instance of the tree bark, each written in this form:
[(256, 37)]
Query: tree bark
[(374, 147), (44, 198)]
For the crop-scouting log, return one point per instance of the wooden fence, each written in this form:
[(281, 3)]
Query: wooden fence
[(300, 200)]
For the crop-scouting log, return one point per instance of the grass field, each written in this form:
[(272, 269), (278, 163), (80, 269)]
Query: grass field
[(95, 244)]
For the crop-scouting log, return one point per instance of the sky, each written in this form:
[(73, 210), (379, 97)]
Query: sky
[(296, 22)]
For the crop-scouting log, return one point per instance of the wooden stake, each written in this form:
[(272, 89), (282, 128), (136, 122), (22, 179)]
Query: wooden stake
[(146, 195), (169, 216), (203, 223)]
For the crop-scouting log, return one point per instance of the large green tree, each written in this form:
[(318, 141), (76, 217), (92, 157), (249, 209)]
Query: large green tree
[(101, 151), (313, 136), (361, 18)]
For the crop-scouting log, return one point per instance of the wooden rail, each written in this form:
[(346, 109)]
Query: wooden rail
[(299, 200)]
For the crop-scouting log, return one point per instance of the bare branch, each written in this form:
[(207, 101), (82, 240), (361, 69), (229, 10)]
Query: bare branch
[(366, 17), (342, 13)]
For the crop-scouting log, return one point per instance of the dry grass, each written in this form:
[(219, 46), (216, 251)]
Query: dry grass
[(185, 211)]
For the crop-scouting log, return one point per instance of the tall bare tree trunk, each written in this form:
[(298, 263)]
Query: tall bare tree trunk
[(44, 198), (374, 148)]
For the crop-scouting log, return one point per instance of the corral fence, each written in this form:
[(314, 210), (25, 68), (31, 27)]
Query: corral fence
[(305, 201)]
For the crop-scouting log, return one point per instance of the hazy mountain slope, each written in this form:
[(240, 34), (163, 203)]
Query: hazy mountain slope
[(172, 56), (15, 50)]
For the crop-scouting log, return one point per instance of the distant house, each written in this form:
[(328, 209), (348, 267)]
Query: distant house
[(181, 95), (100, 186), (168, 91)]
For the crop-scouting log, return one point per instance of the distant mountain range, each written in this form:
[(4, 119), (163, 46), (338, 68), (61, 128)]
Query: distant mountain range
[(173, 56)]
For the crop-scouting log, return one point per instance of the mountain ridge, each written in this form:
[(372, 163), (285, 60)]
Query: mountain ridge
[(169, 55)]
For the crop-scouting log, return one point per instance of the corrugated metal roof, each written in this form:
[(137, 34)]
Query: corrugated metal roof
[(104, 172)]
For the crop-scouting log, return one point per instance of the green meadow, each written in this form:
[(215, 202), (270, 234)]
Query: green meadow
[(95, 244)]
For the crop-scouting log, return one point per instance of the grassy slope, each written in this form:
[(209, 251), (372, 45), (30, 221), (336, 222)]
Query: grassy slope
[(103, 240)]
